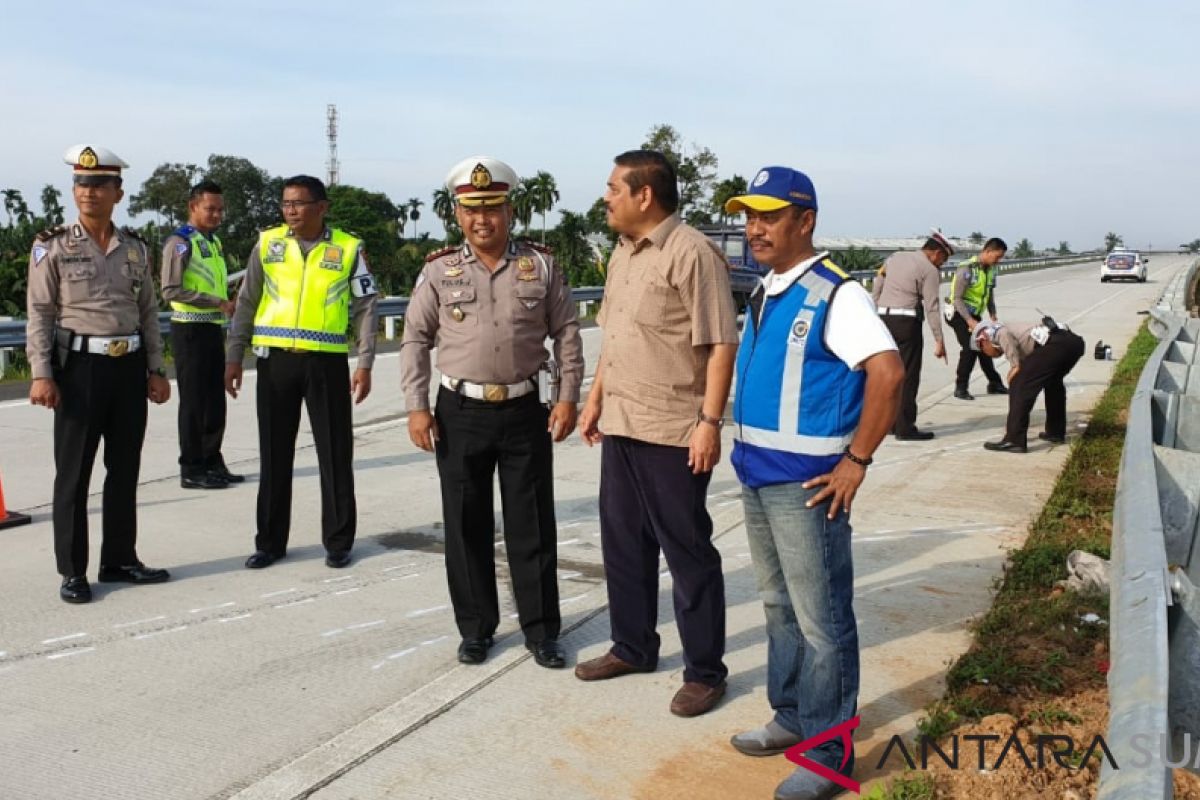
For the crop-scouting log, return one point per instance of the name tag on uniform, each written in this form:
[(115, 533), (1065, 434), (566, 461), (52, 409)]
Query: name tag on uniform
[(331, 258), (205, 250)]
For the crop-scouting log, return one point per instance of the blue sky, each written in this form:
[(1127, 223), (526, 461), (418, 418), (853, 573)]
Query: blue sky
[(1047, 120)]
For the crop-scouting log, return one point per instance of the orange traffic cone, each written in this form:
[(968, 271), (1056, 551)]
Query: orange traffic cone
[(8, 518)]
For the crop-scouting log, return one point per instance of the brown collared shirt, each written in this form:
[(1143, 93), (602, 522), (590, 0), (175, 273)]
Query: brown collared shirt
[(910, 280), (1016, 342), (666, 301), (490, 326), (75, 285)]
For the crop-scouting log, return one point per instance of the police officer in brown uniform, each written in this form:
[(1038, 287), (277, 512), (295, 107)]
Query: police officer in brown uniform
[(905, 292), (488, 306), (96, 354)]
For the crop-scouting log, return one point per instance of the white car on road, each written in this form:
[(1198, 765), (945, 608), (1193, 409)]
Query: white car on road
[(1123, 264)]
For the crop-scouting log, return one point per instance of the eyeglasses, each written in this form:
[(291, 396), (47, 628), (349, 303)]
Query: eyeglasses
[(295, 204)]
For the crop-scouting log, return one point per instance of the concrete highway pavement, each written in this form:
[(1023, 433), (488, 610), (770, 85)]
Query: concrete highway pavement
[(295, 679)]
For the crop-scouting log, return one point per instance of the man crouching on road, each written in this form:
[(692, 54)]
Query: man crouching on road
[(819, 382)]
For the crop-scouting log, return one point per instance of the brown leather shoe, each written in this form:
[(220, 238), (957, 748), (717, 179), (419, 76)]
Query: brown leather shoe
[(693, 699), (605, 667)]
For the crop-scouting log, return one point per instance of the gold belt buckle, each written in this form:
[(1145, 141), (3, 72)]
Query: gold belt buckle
[(495, 392), (117, 348)]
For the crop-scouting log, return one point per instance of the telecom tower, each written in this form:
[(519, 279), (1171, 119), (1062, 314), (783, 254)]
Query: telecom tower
[(332, 176)]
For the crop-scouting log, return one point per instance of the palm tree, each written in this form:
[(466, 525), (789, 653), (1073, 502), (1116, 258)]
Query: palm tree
[(414, 204), (1112, 241), (723, 191), (443, 207), (543, 196), (521, 198), (401, 219), (976, 238)]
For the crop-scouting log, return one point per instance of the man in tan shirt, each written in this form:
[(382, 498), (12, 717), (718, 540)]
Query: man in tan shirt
[(905, 290), (670, 338), (96, 354), (489, 307)]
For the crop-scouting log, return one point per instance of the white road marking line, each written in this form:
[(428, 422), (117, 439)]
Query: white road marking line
[(363, 625), (160, 633), (406, 577), (295, 603), (64, 638), (428, 642), (231, 619), (349, 591), (572, 599), (498, 544), (139, 621), (570, 525), (423, 611), (513, 616), (567, 542), (401, 653), (399, 566), (276, 594), (726, 503), (339, 580), (568, 575), (664, 573), (211, 608), (334, 632), (68, 653)]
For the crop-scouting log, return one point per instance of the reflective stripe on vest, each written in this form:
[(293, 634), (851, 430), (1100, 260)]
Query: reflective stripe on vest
[(979, 293), (205, 274), (305, 303)]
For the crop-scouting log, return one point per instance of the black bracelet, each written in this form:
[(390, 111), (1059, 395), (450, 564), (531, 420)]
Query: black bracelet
[(862, 462)]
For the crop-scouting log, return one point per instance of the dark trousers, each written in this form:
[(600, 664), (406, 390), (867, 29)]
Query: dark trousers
[(477, 440), (651, 501), (199, 349), (322, 382), (100, 397), (1043, 371), (967, 357), (910, 340)]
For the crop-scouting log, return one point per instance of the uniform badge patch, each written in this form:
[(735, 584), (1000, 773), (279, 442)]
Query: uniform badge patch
[(453, 272), (275, 250), (332, 254), (762, 177), (181, 248), (530, 304), (452, 260), (799, 332), (134, 258), (527, 276), (39, 253), (458, 314), (205, 250), (525, 264)]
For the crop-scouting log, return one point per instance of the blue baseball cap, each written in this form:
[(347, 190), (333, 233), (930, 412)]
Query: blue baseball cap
[(774, 188)]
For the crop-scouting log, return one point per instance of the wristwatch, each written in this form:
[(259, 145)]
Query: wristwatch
[(717, 422)]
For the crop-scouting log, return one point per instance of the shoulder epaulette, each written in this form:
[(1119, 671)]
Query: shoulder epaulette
[(130, 232), (835, 269), (50, 233), (541, 248), (435, 255), (184, 231)]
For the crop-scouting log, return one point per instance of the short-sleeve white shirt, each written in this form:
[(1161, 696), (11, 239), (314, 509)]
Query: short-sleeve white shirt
[(853, 330)]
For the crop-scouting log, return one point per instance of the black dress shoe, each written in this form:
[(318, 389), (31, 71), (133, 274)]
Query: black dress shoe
[(75, 589), (963, 394), (1005, 446), (221, 471), (474, 651), (338, 560), (547, 653), (997, 388), (915, 436), (1045, 437), (134, 573), (203, 480), (260, 559)]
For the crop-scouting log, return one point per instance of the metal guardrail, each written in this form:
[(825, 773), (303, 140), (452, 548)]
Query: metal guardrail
[(12, 332), (1154, 675)]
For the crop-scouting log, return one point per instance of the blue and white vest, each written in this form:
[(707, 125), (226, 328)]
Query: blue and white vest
[(797, 404)]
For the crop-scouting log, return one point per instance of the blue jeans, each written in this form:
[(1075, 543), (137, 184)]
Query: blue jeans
[(805, 576)]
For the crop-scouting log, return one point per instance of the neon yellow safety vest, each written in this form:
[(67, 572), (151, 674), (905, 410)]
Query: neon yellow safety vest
[(305, 302), (979, 292), (205, 274)]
